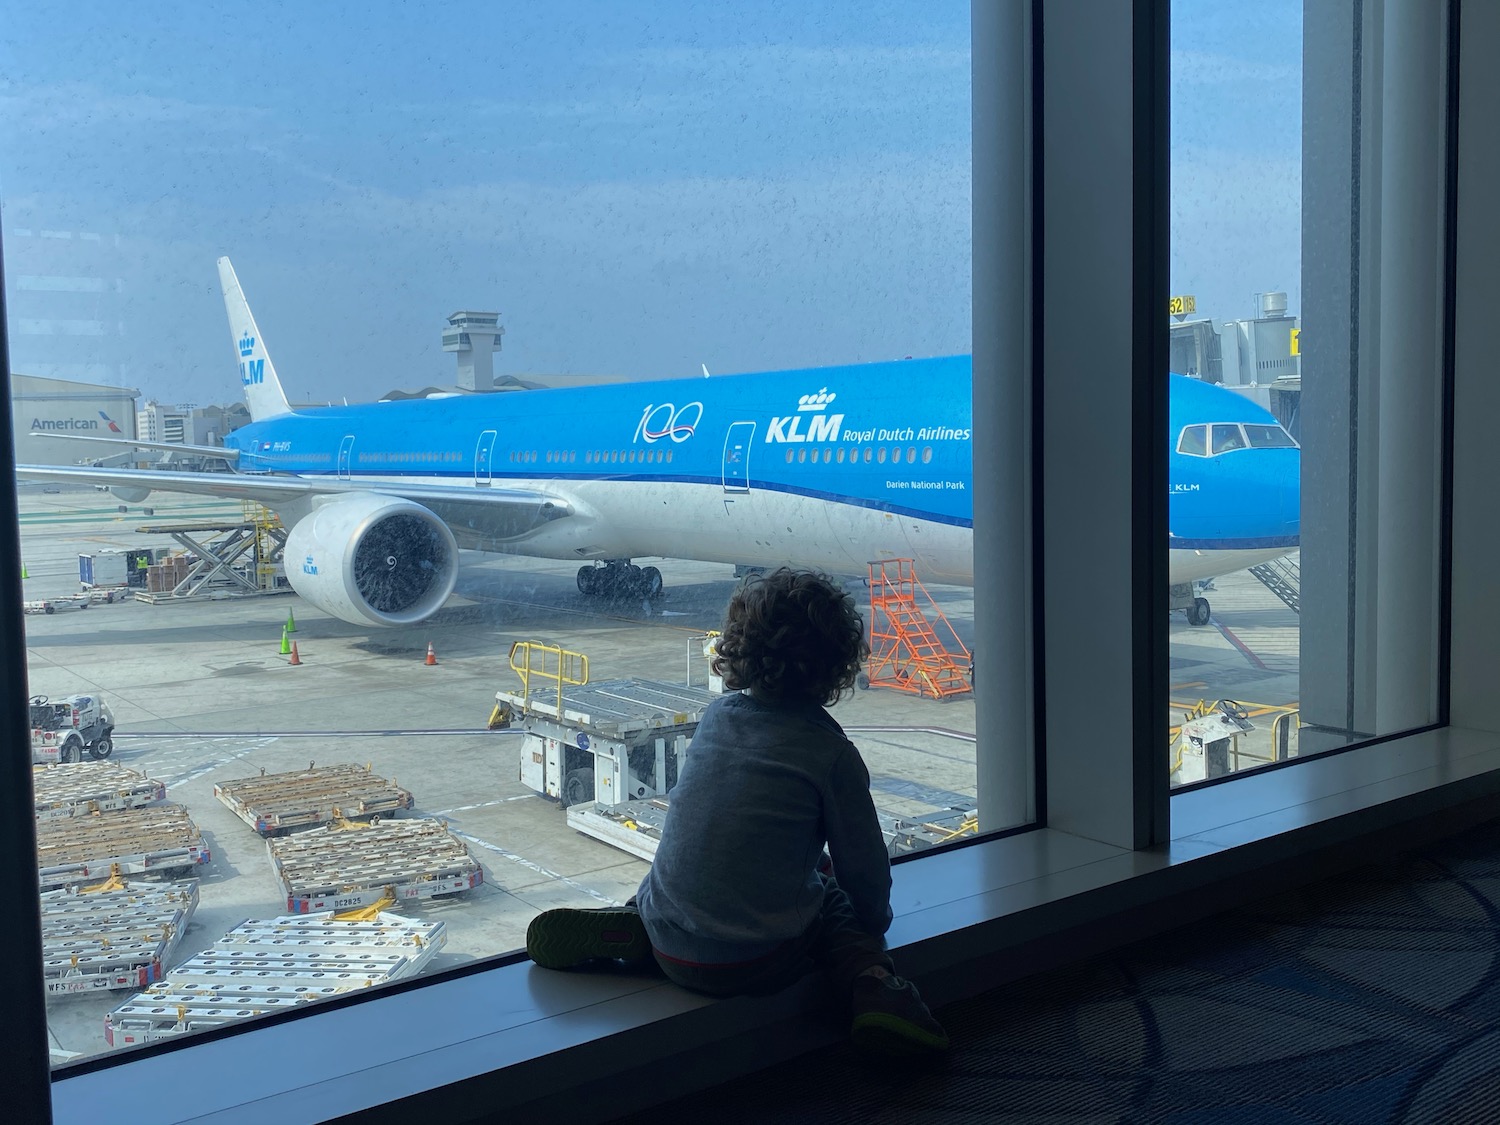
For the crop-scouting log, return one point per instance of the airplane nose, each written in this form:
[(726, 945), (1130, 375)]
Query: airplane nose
[(1291, 498)]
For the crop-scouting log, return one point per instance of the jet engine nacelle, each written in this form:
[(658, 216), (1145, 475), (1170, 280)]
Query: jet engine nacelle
[(371, 559), (128, 494)]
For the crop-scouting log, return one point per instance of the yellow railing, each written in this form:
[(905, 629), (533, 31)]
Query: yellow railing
[(558, 666)]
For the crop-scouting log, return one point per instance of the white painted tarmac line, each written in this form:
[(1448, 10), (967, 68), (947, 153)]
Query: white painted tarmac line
[(483, 804), (537, 867)]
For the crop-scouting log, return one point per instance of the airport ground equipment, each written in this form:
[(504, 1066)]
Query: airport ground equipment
[(351, 864), (1283, 577), (63, 729), (1212, 738), (219, 559), (904, 835), (275, 803), (608, 751), (114, 571), (913, 645), (1188, 597), (91, 787), (121, 935), (157, 839), (273, 964)]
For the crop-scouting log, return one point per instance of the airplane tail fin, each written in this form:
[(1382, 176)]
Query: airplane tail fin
[(263, 393)]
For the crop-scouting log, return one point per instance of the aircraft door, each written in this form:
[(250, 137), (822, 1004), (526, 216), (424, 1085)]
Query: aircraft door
[(346, 454), (483, 453), (737, 456)]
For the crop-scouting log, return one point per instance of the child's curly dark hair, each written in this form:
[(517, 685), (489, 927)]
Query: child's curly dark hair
[(791, 635)]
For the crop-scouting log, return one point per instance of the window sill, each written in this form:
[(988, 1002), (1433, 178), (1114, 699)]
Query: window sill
[(523, 1043)]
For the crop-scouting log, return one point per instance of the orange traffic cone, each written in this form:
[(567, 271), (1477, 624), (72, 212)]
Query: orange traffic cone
[(295, 658), (431, 655)]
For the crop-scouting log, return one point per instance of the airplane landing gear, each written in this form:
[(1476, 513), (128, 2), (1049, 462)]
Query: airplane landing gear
[(619, 579), (1185, 596), (1198, 612)]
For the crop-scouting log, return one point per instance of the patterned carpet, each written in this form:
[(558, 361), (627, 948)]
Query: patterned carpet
[(1368, 999)]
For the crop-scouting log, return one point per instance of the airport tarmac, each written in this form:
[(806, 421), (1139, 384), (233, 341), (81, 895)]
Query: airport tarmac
[(201, 694)]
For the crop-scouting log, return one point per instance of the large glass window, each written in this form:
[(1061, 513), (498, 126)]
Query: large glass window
[(294, 515), (1309, 147)]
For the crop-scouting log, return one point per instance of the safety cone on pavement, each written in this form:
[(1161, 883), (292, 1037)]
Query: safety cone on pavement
[(295, 658), (431, 655), (291, 622), (286, 643)]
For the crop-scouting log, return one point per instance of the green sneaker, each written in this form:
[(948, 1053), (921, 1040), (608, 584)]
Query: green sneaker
[(890, 1019), (567, 938)]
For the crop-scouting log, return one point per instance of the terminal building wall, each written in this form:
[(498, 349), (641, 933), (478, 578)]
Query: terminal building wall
[(59, 406)]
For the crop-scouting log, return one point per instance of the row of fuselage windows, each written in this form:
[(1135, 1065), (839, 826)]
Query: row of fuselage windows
[(405, 458), (877, 454), (1225, 437), (801, 454)]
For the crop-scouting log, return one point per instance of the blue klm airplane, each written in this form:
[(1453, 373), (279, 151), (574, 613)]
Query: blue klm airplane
[(828, 467)]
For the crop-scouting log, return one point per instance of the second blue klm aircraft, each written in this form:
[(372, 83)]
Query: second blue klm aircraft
[(828, 467)]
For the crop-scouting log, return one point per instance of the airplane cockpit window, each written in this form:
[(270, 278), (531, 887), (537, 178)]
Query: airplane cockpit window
[(1268, 437), (1227, 437), (1193, 441)]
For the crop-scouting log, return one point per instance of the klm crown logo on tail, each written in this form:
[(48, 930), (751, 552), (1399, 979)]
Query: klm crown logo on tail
[(252, 371)]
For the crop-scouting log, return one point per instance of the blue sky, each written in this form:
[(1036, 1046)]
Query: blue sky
[(638, 189)]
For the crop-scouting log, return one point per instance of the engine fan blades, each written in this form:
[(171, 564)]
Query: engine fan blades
[(398, 561)]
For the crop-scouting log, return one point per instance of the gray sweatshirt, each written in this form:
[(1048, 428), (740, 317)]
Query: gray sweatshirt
[(765, 786)]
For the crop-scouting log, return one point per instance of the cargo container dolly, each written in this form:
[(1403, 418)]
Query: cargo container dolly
[(91, 787), (276, 803), (609, 751), (274, 964), (114, 935), (157, 839), (353, 864)]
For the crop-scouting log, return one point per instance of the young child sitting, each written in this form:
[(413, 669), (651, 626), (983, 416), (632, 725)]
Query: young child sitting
[(740, 898)]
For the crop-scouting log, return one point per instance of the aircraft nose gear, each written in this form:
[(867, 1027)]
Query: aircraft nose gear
[(618, 579)]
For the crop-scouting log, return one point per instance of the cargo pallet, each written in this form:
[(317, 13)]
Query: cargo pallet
[(269, 965), (155, 839), (83, 788), (275, 803), (109, 939), (349, 866)]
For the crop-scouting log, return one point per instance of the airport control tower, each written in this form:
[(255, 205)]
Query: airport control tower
[(475, 336)]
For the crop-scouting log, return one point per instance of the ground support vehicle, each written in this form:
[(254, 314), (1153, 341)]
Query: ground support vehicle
[(351, 864), (275, 803), (62, 729), (904, 835), (85, 788), (119, 936), (608, 751), (272, 964), (157, 839)]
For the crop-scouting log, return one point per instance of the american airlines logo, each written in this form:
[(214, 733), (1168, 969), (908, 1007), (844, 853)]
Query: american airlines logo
[(110, 422), (247, 344), (820, 427)]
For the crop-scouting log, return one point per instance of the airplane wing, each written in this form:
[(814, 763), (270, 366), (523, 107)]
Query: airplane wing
[(475, 515), (133, 443)]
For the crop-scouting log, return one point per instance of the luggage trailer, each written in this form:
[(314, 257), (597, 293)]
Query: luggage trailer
[(352, 865), (275, 803), (273, 964), (96, 940)]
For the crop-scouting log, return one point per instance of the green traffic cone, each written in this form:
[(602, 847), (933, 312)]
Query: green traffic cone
[(286, 644), (291, 622), (24, 575)]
